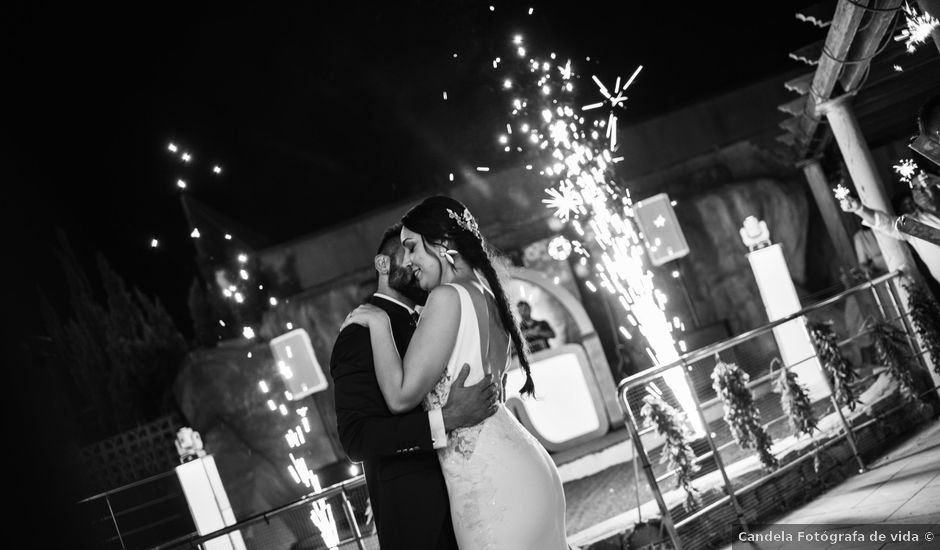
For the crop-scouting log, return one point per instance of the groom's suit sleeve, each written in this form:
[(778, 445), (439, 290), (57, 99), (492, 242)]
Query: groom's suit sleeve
[(366, 426)]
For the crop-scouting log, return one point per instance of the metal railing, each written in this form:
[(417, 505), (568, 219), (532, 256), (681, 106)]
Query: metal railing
[(297, 513), (721, 502)]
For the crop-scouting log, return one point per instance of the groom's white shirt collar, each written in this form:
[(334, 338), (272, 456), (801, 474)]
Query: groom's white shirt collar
[(394, 301)]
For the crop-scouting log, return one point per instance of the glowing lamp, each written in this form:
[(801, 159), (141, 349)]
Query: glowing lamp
[(298, 364), (664, 238), (570, 408)]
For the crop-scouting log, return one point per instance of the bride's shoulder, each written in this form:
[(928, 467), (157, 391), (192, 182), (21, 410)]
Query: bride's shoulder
[(443, 295)]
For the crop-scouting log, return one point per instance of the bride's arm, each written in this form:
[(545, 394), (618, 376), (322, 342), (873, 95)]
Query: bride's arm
[(404, 383)]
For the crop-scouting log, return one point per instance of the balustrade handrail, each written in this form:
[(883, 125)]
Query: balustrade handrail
[(328, 492), (711, 349)]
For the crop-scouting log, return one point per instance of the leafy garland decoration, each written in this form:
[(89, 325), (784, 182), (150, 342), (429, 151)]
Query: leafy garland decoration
[(677, 451), (796, 404), (925, 315), (839, 370), (794, 400), (741, 414)]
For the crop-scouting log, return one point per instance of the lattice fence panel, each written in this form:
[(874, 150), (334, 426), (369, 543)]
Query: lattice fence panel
[(132, 455)]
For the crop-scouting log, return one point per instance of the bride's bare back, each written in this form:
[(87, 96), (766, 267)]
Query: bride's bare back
[(503, 486)]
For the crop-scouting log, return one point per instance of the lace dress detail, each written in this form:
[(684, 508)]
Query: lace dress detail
[(504, 489)]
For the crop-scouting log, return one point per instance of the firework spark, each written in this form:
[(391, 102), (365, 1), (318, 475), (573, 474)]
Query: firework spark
[(583, 193), (615, 99), (906, 170), (841, 192), (918, 28)]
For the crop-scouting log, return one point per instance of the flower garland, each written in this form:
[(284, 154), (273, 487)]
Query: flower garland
[(840, 371), (796, 405), (925, 315), (677, 450), (795, 401), (741, 414)]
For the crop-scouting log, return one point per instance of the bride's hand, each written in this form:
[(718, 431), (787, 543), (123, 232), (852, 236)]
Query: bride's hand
[(364, 315)]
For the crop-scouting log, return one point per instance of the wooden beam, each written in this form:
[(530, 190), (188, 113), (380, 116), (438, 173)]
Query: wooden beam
[(795, 107), (845, 22), (809, 53), (819, 14), (831, 214), (791, 125), (787, 139), (800, 84), (866, 43)]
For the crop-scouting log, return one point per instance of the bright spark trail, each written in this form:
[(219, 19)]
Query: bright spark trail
[(547, 123)]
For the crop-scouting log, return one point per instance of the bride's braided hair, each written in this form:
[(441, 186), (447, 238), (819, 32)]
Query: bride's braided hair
[(441, 218)]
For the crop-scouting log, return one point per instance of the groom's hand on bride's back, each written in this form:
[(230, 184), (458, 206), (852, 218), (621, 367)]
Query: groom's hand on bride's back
[(469, 405)]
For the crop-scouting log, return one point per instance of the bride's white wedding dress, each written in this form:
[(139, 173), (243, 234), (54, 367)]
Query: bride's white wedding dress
[(504, 489)]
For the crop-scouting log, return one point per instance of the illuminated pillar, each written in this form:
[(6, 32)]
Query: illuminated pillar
[(780, 299), (861, 165), (872, 194), (208, 502)]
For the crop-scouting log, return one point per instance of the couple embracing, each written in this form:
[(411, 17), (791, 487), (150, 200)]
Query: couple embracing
[(419, 400)]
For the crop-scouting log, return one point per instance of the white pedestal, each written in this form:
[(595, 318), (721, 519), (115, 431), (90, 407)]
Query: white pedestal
[(780, 299), (208, 502)]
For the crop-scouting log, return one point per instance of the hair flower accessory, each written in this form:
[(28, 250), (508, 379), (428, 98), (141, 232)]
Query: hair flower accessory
[(448, 255), (465, 221)]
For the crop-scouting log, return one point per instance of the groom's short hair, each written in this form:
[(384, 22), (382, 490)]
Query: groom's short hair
[(391, 240)]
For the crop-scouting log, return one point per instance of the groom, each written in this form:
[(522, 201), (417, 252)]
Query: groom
[(406, 487)]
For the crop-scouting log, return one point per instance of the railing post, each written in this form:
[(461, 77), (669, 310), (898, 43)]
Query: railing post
[(874, 293), (117, 529), (640, 453), (849, 434), (351, 518), (908, 328), (715, 454)]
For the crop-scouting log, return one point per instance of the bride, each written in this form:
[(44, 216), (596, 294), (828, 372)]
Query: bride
[(504, 489)]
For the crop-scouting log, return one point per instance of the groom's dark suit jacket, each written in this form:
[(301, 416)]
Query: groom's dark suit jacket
[(406, 487)]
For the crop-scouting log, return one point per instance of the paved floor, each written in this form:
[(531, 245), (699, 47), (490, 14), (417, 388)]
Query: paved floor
[(900, 488), (605, 501)]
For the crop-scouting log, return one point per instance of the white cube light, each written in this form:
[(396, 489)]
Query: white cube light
[(570, 408), (297, 364)]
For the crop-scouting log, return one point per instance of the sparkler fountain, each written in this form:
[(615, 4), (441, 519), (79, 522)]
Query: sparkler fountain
[(238, 289), (547, 124)]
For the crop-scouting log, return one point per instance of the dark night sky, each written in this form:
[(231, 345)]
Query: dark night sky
[(315, 114)]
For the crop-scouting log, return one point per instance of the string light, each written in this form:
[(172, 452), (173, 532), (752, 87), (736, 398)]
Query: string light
[(154, 243), (181, 184)]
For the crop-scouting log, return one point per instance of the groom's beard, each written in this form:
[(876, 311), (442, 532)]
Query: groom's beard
[(403, 280)]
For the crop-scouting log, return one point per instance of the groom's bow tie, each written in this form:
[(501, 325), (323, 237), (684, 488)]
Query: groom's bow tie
[(414, 318)]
